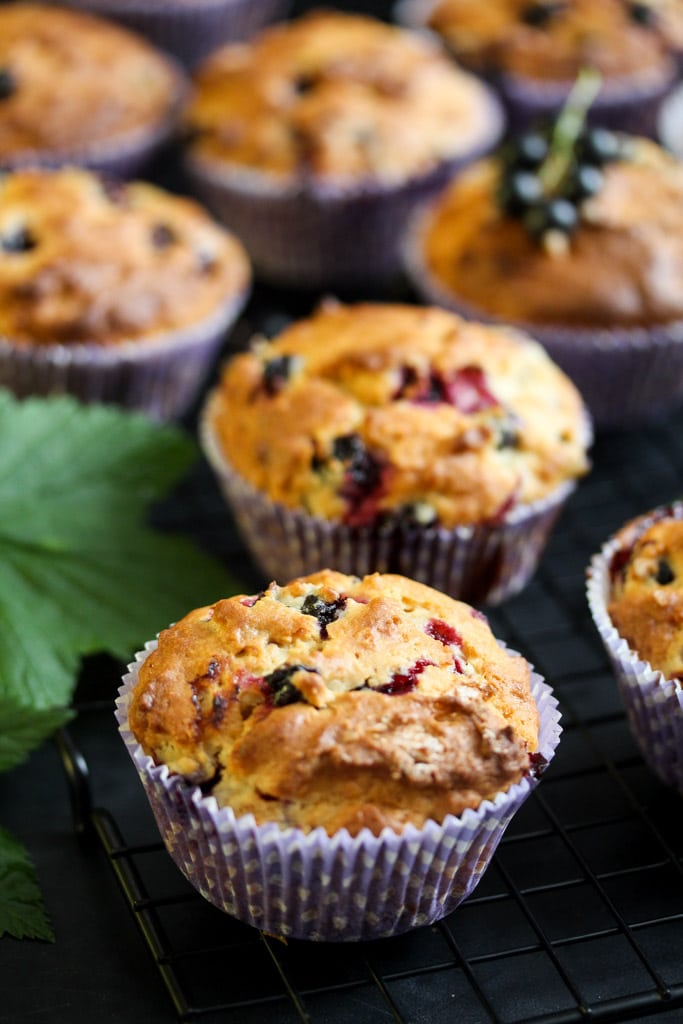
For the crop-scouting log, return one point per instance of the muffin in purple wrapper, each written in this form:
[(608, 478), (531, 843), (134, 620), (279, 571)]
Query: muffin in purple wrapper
[(533, 51), (636, 599), (335, 759), (76, 89), (316, 142), (380, 437), (116, 293), (189, 29), (575, 237)]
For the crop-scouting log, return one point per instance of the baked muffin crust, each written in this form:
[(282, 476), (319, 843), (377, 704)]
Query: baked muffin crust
[(72, 82), (377, 409), (333, 97), (622, 266), (551, 42), (646, 598), (83, 261), (338, 702)]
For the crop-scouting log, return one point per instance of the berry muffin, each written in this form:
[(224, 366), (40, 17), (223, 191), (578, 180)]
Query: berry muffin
[(580, 242), (119, 293), (367, 738), (75, 89), (189, 29), (534, 49), (315, 142), (635, 591), (397, 438)]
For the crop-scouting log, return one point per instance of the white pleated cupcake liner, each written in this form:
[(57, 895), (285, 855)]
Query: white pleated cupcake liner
[(653, 704), (188, 30), (626, 376), (315, 236), (160, 376), (314, 886), (481, 564), (124, 155)]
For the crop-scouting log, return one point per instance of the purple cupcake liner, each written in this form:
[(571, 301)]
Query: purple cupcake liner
[(626, 376), (627, 104), (160, 376), (188, 29), (654, 704), (311, 235), (328, 888), (481, 563), (123, 155)]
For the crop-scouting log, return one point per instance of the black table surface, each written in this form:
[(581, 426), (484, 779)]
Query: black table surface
[(580, 915)]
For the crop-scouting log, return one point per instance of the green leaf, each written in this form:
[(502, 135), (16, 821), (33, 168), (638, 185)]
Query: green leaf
[(22, 730), (81, 570), (22, 911)]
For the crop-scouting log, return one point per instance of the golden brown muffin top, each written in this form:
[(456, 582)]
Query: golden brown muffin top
[(646, 598), (70, 81), (336, 97), (623, 266), (551, 40), (338, 702), (365, 411), (82, 261)]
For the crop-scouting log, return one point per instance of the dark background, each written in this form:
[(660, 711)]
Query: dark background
[(579, 916)]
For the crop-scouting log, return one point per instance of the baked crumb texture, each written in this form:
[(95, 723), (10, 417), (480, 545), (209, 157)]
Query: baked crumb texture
[(552, 41), (73, 86), (83, 261), (370, 411), (646, 594), (336, 98), (338, 702), (621, 267)]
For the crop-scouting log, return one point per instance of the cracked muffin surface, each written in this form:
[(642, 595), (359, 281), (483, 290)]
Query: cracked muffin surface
[(85, 261), (70, 81), (338, 702), (366, 411), (335, 98)]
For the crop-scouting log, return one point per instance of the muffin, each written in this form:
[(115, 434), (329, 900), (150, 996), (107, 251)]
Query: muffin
[(397, 438), (77, 89), (588, 259), (189, 29), (335, 758), (636, 598), (111, 292), (315, 142), (534, 51)]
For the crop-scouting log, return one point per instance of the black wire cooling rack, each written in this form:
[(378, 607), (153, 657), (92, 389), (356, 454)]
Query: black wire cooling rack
[(580, 915)]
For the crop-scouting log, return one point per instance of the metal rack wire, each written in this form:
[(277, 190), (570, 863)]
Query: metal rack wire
[(580, 915)]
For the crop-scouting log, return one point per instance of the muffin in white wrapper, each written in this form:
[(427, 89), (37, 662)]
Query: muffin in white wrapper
[(112, 291), (189, 30), (297, 143), (481, 563), (117, 103), (311, 885), (395, 438), (653, 702)]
